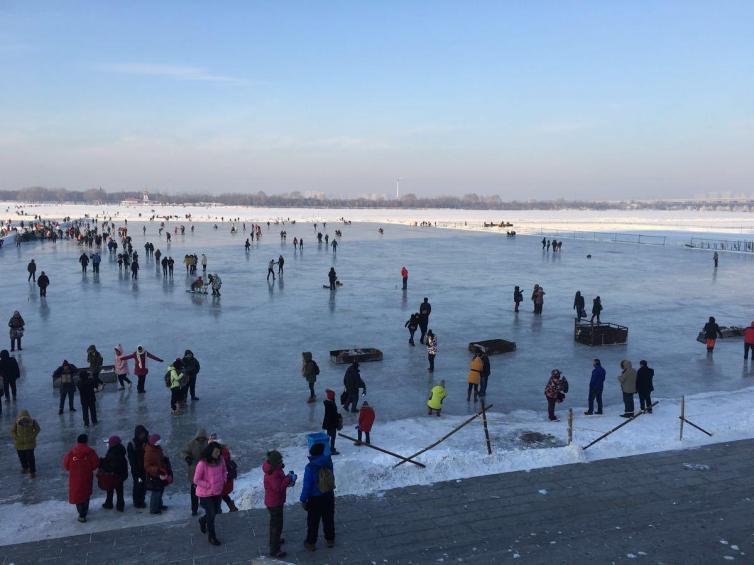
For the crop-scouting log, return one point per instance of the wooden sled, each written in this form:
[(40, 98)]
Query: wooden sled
[(342, 356)]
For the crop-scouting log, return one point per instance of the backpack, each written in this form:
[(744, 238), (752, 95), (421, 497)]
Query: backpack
[(326, 480), (232, 469), (167, 378), (184, 379), (339, 421), (316, 368), (565, 385)]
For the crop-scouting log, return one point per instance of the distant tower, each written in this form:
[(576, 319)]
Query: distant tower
[(398, 188), (145, 198)]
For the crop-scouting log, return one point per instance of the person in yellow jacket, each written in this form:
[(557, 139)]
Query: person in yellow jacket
[(436, 396), (24, 433), (173, 381), (475, 376)]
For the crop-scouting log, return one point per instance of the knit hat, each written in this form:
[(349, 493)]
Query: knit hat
[(274, 458), (330, 394), (154, 439), (113, 440), (83, 438)]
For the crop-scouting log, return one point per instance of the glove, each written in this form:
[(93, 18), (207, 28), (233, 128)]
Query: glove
[(188, 460), (305, 505)]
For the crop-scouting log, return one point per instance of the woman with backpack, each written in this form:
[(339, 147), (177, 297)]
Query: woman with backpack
[(309, 370), (209, 478)]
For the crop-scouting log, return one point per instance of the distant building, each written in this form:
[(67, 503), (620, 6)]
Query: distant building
[(136, 202)]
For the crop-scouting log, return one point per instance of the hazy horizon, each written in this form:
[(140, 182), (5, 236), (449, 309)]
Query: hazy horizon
[(541, 100)]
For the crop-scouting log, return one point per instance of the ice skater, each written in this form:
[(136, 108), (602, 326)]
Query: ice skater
[(270, 269), (141, 370), (412, 324), (711, 333), (121, 368)]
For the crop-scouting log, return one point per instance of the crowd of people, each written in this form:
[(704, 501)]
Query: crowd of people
[(211, 470)]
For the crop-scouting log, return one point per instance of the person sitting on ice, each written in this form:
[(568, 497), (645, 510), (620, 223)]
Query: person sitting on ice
[(197, 285)]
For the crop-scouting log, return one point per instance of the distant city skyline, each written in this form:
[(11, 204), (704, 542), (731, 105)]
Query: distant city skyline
[(539, 100)]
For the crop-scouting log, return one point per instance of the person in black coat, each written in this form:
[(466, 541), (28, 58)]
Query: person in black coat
[(352, 382), (412, 324), (425, 309), (43, 282), (711, 332), (644, 386), (332, 420), (86, 388), (115, 467), (136, 462), (10, 373)]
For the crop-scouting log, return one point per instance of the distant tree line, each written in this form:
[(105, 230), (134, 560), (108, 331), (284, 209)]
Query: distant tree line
[(298, 200)]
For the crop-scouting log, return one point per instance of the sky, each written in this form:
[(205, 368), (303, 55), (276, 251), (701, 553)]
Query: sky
[(527, 100)]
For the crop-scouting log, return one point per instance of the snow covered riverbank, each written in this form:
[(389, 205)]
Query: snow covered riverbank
[(524, 221), (362, 471)]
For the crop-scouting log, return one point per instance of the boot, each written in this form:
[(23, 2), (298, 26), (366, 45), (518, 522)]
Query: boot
[(232, 506), (309, 546), (214, 541)]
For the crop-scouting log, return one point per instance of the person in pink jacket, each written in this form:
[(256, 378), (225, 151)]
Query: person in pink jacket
[(275, 484), (209, 478), (121, 367), (140, 369)]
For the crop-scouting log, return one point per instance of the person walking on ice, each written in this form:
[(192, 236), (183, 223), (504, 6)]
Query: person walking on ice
[(711, 333), (270, 269)]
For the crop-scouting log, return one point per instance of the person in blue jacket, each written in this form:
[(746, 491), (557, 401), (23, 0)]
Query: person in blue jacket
[(318, 497), (596, 385)]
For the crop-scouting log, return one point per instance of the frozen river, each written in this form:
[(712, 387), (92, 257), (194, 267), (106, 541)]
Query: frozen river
[(249, 342)]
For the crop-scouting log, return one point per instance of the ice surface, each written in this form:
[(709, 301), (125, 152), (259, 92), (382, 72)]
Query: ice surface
[(249, 343)]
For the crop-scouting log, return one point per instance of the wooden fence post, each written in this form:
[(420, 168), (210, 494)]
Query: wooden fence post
[(486, 431), (570, 426), (683, 416)]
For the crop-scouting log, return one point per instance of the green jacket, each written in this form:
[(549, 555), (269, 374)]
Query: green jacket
[(437, 396), (24, 432), (175, 378)]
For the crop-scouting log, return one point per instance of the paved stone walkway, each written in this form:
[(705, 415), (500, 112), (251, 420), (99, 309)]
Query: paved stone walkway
[(693, 506)]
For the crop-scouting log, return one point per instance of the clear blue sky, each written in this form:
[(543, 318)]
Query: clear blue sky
[(602, 99)]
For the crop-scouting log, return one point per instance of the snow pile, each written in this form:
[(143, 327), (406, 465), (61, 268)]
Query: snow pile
[(364, 471)]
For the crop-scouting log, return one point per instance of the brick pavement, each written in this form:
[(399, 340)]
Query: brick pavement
[(647, 508)]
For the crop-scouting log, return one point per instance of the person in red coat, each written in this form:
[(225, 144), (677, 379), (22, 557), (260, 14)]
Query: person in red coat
[(404, 276), (81, 462), (366, 419), (140, 370)]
